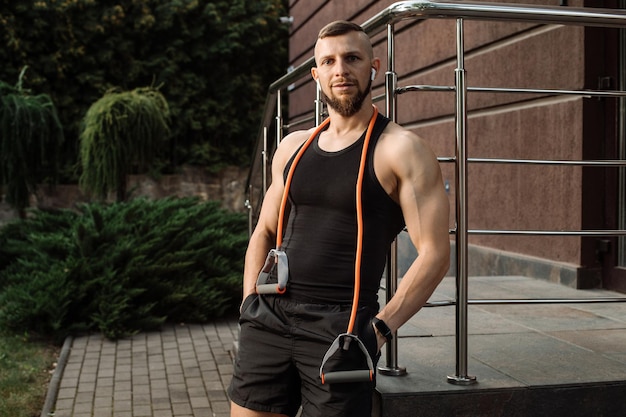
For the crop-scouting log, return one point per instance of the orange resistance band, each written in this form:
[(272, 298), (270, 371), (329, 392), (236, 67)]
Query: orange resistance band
[(359, 208)]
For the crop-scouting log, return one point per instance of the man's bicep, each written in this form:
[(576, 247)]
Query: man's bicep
[(426, 208), (436, 209), (268, 217)]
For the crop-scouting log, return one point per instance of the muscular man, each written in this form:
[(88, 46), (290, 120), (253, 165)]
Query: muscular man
[(284, 336)]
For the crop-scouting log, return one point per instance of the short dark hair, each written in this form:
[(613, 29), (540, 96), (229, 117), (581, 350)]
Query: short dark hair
[(338, 28)]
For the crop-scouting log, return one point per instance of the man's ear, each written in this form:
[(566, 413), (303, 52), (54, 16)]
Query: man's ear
[(314, 74), (376, 64), (315, 77)]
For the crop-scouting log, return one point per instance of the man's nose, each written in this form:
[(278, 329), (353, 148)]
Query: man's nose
[(341, 68)]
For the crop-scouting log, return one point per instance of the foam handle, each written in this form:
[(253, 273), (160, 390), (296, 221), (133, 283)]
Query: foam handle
[(362, 375), (268, 289)]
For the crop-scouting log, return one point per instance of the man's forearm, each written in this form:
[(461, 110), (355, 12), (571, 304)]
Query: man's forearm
[(256, 253), (416, 287)]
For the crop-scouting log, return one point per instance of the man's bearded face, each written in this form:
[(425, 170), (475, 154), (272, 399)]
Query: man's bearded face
[(347, 105)]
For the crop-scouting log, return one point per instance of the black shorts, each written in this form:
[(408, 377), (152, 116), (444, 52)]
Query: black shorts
[(281, 346)]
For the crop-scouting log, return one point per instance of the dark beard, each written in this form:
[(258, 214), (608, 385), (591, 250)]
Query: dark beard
[(350, 107)]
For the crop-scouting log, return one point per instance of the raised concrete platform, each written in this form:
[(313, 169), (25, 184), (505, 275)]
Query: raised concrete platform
[(529, 360)]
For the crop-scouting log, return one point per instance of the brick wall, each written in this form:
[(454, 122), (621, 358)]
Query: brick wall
[(226, 186)]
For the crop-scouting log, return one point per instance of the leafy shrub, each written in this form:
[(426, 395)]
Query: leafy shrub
[(120, 268), (30, 139), (121, 131)]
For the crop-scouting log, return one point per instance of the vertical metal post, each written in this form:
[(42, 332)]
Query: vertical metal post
[(249, 207), (264, 162), (461, 377), (391, 78), (621, 205), (279, 117), (319, 105), (391, 82)]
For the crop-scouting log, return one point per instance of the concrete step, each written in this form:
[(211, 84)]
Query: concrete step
[(582, 400), (528, 360)]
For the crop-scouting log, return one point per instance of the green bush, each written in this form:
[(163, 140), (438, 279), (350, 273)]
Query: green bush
[(30, 138), (120, 268), (122, 132)]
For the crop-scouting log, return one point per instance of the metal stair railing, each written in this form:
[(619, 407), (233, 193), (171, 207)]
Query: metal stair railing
[(421, 10)]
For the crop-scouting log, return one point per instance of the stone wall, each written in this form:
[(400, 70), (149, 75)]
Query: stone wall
[(227, 186)]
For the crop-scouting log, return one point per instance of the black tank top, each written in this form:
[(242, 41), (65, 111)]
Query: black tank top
[(321, 232)]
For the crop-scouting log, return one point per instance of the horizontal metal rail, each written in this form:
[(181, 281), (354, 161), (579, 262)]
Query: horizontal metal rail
[(588, 163), (586, 233), (565, 162), (299, 122), (445, 88), (525, 301), (519, 301), (496, 11)]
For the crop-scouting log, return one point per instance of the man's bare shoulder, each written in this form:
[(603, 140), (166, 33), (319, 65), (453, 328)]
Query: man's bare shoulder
[(398, 143), (289, 145)]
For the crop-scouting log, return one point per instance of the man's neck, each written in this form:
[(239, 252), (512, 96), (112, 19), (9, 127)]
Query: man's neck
[(343, 131), (341, 126)]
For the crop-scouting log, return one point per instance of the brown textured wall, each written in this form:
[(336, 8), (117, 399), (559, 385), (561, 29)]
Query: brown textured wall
[(498, 54)]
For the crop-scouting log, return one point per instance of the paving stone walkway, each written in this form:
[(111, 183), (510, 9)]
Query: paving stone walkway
[(181, 371)]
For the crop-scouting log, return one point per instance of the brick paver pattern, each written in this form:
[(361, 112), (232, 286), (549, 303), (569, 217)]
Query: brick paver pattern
[(180, 371)]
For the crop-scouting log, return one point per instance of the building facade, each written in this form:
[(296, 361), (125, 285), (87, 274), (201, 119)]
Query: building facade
[(508, 125)]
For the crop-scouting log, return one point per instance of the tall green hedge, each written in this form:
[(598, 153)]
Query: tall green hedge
[(120, 268), (212, 59)]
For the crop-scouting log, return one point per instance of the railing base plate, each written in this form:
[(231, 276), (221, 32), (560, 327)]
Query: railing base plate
[(462, 380), (396, 371)]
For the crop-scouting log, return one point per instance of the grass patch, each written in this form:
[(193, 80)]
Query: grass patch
[(25, 366)]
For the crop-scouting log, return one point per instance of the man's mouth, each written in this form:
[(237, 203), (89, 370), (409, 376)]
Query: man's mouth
[(343, 85)]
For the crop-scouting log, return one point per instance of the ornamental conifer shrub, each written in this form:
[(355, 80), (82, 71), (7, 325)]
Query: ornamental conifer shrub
[(120, 268), (121, 135), (30, 139)]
